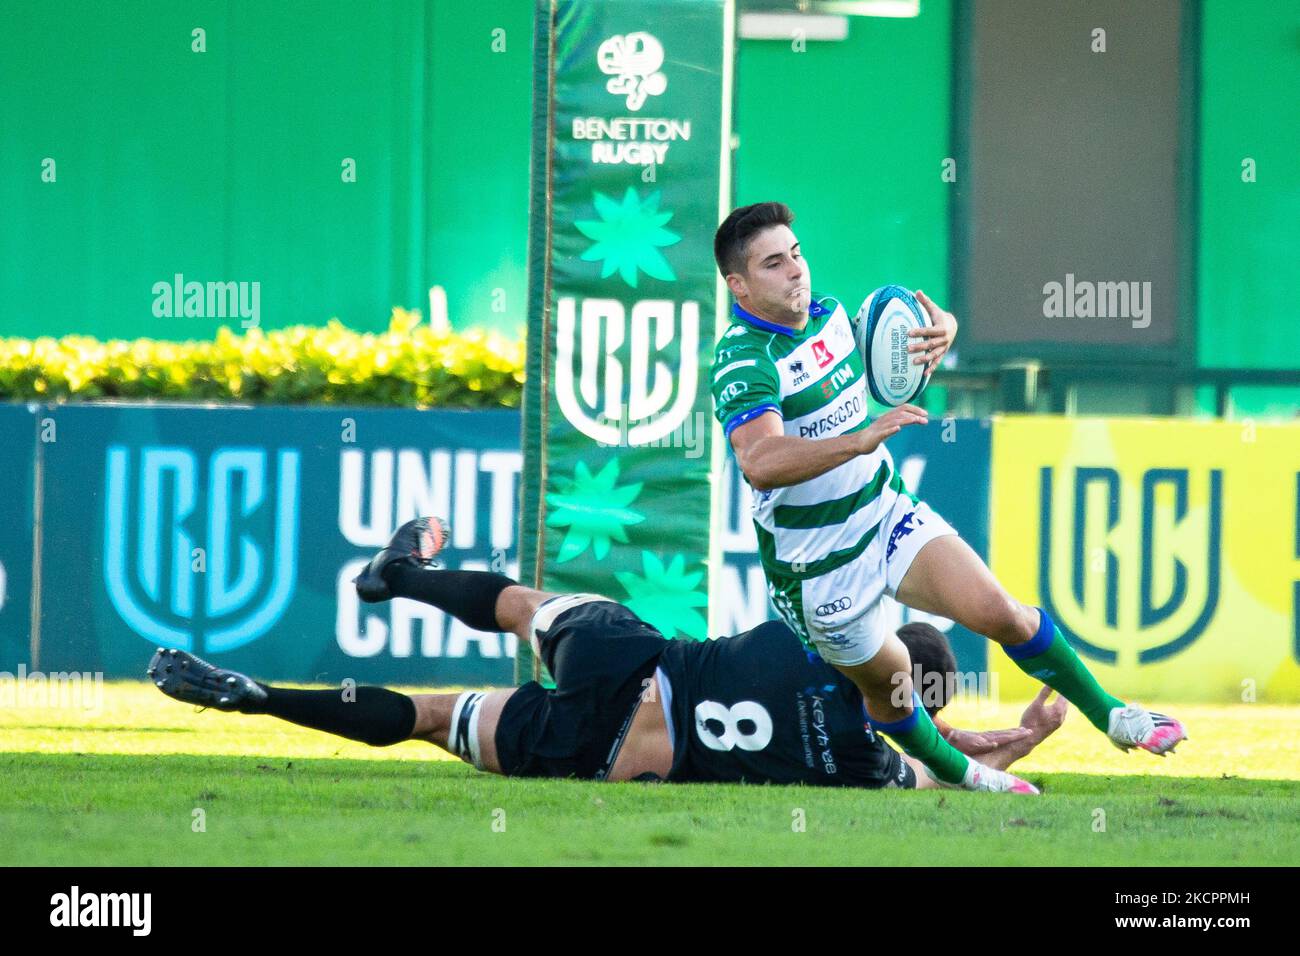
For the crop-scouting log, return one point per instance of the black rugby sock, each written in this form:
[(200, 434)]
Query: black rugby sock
[(372, 715), (470, 596)]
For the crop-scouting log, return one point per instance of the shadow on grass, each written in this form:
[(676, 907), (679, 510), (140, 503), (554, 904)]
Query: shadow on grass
[(124, 729)]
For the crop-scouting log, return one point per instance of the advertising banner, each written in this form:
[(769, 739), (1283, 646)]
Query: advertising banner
[(1167, 551), (235, 533), (18, 438), (631, 167)]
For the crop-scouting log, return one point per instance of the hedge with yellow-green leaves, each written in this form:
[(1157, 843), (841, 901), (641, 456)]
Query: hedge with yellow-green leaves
[(411, 364)]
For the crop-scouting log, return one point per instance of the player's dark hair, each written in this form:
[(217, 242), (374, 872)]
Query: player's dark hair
[(731, 241), (930, 650)]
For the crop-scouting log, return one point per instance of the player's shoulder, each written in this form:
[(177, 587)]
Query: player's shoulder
[(740, 334), (741, 342)]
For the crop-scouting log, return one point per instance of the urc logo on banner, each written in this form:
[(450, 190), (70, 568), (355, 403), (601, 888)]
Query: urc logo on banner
[(213, 594)]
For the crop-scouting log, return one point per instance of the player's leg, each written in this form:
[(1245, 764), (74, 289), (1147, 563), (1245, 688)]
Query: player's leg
[(947, 577), (886, 686), (464, 725), (924, 781), (885, 680), (935, 571), (372, 715), (839, 617), (483, 600)]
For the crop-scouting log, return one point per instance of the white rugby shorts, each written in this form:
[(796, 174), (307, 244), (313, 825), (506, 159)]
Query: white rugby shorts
[(839, 614)]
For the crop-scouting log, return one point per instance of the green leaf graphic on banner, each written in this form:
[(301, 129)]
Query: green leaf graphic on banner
[(594, 508), (665, 598), (628, 236)]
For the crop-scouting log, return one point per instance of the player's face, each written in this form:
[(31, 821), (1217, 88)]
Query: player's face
[(777, 280)]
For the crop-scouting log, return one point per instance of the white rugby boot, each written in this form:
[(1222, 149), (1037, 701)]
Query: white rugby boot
[(983, 778), (1135, 726)]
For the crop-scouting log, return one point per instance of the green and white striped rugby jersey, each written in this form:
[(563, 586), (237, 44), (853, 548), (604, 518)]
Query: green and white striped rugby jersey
[(815, 380)]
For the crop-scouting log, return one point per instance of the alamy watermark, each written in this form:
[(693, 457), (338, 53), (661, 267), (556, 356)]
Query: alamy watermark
[(208, 300), (128, 910), (1098, 300), (690, 434), (60, 689), (938, 689)]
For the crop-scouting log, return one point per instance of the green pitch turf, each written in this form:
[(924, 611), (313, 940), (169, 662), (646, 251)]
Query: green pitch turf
[(121, 784)]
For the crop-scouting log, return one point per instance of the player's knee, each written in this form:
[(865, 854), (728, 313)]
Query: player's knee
[(884, 680), (1001, 618), (383, 717)]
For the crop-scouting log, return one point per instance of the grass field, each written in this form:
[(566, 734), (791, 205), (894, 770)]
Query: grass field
[(121, 784)]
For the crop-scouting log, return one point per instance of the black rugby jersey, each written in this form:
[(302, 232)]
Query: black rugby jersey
[(758, 707)]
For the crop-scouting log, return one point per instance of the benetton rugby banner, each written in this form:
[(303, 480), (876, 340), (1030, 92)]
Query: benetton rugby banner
[(631, 175)]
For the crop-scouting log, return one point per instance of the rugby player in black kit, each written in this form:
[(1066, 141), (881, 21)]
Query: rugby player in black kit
[(628, 704)]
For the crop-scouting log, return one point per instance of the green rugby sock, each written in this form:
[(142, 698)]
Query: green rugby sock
[(919, 738), (1049, 657)]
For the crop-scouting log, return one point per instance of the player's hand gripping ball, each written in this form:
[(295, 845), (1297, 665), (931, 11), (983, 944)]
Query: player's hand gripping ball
[(881, 327)]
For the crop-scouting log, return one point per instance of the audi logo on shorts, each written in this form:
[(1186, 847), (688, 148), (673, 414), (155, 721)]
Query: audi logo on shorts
[(840, 604)]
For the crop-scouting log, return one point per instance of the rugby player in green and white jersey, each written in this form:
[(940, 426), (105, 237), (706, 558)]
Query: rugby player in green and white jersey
[(836, 526)]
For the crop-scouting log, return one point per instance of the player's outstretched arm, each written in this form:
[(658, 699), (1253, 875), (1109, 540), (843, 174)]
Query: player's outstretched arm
[(993, 748), (976, 743), (1041, 719), (771, 459)]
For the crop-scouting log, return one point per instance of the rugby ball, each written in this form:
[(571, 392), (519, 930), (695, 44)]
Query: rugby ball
[(881, 328)]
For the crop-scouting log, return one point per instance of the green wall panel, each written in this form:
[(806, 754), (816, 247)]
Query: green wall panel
[(1249, 234), (226, 165)]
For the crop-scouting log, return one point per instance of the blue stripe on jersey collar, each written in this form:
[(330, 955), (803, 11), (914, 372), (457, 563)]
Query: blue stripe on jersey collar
[(758, 323), (815, 310)]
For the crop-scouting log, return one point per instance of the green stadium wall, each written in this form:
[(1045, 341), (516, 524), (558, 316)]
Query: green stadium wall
[(226, 165), (1249, 232), (858, 155)]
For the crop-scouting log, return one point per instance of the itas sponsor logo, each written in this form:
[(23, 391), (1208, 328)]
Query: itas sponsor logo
[(204, 555), (837, 606), (841, 330), (131, 910), (822, 354)]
